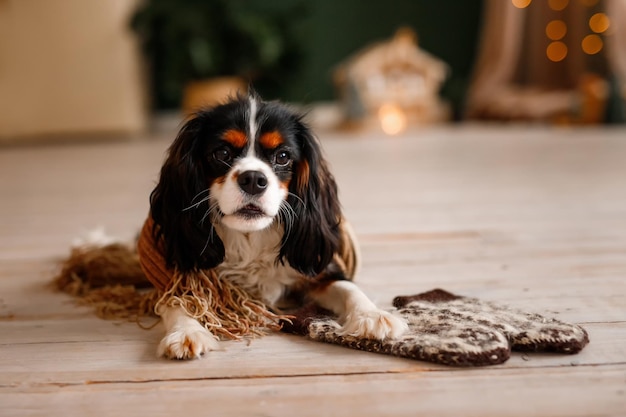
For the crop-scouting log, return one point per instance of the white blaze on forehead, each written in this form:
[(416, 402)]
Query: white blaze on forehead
[(252, 125), (252, 163)]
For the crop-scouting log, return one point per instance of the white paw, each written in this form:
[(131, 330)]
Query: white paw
[(373, 324), (187, 342)]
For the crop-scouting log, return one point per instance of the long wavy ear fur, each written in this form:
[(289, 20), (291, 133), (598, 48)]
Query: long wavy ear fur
[(179, 203), (311, 241)]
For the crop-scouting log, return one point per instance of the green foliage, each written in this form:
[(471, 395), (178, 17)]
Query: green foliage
[(187, 40)]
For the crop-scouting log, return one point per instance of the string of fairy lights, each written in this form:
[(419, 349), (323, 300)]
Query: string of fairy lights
[(591, 44)]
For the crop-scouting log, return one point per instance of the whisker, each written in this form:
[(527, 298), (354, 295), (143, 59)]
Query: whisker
[(297, 198), (211, 232), (226, 163), (199, 194), (206, 245), (289, 217), (211, 209), (210, 237), (284, 220), (289, 210), (206, 213), (207, 198)]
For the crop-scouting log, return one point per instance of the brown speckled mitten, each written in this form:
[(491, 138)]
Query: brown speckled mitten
[(524, 331), (453, 330)]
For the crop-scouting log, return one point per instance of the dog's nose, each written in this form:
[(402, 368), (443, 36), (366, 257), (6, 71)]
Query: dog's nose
[(252, 182)]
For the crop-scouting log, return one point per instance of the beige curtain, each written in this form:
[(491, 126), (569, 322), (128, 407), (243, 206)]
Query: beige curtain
[(617, 42), (498, 54), (513, 78)]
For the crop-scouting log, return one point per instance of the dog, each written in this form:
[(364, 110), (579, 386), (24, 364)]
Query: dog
[(245, 190)]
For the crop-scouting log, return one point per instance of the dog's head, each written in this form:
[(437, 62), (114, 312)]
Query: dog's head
[(247, 165)]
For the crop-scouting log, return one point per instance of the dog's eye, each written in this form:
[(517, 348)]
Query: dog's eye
[(223, 155), (282, 158)]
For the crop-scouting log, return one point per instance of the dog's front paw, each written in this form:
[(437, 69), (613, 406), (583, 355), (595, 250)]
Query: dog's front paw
[(187, 343), (373, 324)]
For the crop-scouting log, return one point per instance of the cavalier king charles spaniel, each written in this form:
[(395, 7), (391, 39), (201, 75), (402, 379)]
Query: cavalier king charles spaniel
[(246, 191)]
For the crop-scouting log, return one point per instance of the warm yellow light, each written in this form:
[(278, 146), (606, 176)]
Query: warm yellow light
[(599, 22), (592, 44), (558, 4), (556, 30), (556, 51), (521, 4), (392, 119)]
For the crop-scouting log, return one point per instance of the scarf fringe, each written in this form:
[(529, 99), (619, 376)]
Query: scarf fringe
[(110, 279)]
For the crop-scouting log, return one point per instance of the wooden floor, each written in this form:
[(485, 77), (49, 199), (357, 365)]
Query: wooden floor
[(527, 216)]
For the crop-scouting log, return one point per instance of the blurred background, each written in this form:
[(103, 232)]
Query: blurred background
[(118, 68)]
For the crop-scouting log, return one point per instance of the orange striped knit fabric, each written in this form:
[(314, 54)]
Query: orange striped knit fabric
[(151, 258), (221, 306)]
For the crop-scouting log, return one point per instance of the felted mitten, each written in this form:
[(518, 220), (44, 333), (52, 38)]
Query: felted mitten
[(451, 330), (524, 331)]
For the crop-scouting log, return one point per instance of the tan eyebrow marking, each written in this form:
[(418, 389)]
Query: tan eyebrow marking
[(303, 176), (235, 137), (271, 140)]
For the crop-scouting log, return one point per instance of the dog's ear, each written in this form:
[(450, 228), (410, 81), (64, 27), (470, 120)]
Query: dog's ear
[(313, 237), (180, 203)]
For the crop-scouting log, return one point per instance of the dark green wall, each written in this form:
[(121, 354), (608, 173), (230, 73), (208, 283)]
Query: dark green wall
[(325, 33), (333, 29)]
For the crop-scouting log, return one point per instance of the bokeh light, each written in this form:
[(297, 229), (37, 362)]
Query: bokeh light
[(556, 30), (558, 4), (521, 4), (556, 51), (592, 44), (392, 119), (599, 22)]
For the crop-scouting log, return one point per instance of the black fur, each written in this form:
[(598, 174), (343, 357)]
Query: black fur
[(315, 236), (184, 180), (189, 170)]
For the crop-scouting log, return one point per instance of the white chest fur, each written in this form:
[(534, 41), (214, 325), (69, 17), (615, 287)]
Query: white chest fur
[(250, 262)]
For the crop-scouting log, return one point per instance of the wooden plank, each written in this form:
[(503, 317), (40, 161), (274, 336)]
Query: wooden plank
[(93, 362), (39, 353), (56, 193), (595, 294), (28, 296), (446, 183), (25, 292), (567, 392)]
